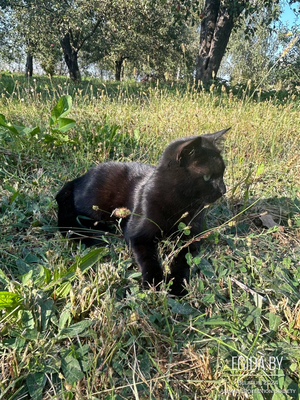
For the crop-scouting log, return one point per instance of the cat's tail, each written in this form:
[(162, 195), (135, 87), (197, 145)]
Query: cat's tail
[(75, 226), (67, 217)]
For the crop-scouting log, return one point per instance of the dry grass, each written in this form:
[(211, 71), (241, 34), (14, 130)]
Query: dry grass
[(83, 327)]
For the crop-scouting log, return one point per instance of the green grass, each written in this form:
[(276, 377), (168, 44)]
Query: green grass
[(76, 323)]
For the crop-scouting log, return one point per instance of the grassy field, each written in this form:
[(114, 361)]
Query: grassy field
[(75, 322)]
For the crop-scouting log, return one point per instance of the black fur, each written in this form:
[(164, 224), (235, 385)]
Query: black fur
[(188, 177)]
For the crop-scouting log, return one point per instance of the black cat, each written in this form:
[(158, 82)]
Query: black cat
[(188, 177)]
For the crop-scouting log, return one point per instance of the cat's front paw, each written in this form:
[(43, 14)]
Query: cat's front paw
[(177, 287), (152, 280)]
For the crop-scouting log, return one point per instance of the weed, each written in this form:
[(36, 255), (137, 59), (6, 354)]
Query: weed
[(75, 322)]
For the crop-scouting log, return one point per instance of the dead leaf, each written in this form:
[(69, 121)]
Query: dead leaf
[(267, 220)]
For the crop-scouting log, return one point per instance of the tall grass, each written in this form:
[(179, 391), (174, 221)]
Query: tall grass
[(76, 323)]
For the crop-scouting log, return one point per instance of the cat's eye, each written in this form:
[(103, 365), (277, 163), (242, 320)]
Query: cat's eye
[(206, 177)]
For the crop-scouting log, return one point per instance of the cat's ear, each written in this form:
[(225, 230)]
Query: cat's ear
[(187, 149), (216, 135)]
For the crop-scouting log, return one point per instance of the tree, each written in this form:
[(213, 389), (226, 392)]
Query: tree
[(72, 23), (250, 58), (50, 56), (29, 63), (12, 40), (219, 18), (72, 40), (5, 34), (287, 74), (75, 22), (153, 37)]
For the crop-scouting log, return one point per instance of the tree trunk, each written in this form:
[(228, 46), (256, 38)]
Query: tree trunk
[(118, 68), (29, 65), (71, 58), (216, 28)]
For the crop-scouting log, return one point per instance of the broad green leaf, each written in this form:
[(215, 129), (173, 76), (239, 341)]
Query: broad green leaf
[(18, 129), (27, 278), (47, 274), (135, 275), (178, 308), (256, 318), (200, 286), (74, 330), (86, 261), (49, 138), (279, 396), (35, 383), (189, 258), (137, 134), (258, 299), (293, 367), (27, 319), (56, 137), (65, 318), (62, 108), (13, 129), (31, 131), (46, 307), (274, 321), (145, 365), (206, 268), (209, 298), (8, 299), (260, 169), (85, 354), (63, 290), (71, 369), (13, 343), (9, 188), (7, 125), (3, 278), (31, 258), (215, 321), (31, 334), (181, 226), (64, 124), (281, 378), (248, 320), (289, 384), (23, 130), (197, 260), (257, 394), (2, 120)]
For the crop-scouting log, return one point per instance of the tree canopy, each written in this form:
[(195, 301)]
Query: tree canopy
[(151, 38), (119, 30)]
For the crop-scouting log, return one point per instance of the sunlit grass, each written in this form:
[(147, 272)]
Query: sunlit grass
[(84, 328)]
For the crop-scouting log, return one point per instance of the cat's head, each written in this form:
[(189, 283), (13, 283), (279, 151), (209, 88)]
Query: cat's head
[(201, 162)]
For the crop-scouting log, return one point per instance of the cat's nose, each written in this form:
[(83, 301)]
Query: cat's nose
[(219, 187), (223, 188)]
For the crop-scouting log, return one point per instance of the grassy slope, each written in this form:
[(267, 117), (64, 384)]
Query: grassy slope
[(84, 328)]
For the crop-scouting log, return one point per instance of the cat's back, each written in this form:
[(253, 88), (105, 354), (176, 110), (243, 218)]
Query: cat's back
[(121, 173), (110, 185)]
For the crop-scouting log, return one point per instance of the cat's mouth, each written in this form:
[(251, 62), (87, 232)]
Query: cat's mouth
[(211, 199)]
